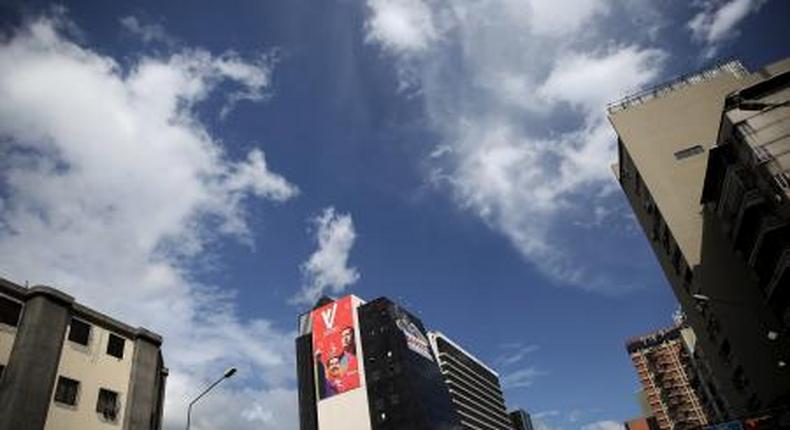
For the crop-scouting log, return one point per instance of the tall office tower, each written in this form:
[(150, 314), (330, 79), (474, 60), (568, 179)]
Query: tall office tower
[(520, 420), (716, 271), (672, 380), (474, 387), (368, 366), (64, 366)]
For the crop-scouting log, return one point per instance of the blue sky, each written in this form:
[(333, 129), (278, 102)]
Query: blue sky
[(205, 170)]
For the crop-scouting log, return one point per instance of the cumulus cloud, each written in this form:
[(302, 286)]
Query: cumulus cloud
[(327, 268), (717, 21), (520, 111), (112, 190), (401, 25)]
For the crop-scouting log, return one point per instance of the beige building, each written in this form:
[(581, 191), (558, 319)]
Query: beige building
[(665, 137), (674, 384), (65, 366)]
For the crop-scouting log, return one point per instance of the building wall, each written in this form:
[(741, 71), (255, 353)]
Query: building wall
[(7, 336), (474, 387), (94, 369), (654, 131), (348, 411), (38, 351), (665, 193)]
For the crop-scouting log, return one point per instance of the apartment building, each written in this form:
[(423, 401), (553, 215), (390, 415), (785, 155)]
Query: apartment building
[(65, 366), (673, 380), (686, 151)]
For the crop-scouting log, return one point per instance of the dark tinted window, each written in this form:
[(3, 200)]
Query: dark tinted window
[(688, 152), (115, 346), (80, 332), (66, 391), (107, 404), (9, 311)]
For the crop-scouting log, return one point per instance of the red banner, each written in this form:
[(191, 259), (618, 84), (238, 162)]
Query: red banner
[(335, 348)]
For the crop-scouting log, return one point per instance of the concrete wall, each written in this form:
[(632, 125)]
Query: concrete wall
[(653, 131), (7, 336), (94, 369)]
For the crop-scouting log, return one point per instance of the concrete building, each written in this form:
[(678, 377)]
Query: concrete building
[(726, 280), (368, 366), (673, 382), (521, 420), (474, 387), (65, 366)]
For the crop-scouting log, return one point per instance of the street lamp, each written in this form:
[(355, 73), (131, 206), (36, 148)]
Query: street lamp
[(228, 373)]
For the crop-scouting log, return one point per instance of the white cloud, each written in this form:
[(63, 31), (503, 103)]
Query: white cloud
[(717, 21), (401, 25), (558, 17), (514, 354), (493, 85), (586, 80), (113, 188), (327, 268), (520, 378), (147, 32), (604, 425)]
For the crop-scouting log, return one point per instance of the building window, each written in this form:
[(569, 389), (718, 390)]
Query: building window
[(66, 391), (689, 152), (107, 404), (9, 311), (115, 346), (79, 332)]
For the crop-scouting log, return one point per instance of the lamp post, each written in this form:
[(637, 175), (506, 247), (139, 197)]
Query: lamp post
[(228, 373)]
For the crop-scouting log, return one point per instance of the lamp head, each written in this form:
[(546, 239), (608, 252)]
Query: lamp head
[(230, 372)]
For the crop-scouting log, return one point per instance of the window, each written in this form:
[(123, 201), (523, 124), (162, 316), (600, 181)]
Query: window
[(115, 346), (689, 152), (107, 404), (80, 332), (66, 391), (9, 311)]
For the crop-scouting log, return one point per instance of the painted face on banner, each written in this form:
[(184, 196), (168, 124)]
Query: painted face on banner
[(334, 348)]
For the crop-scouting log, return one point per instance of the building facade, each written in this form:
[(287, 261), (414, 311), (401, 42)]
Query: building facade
[(521, 420), (66, 366), (665, 137), (368, 366), (474, 387), (673, 382)]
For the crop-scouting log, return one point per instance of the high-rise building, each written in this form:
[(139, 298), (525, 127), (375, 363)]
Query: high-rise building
[(671, 378), (368, 366), (520, 420), (474, 387), (724, 252), (66, 366)]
